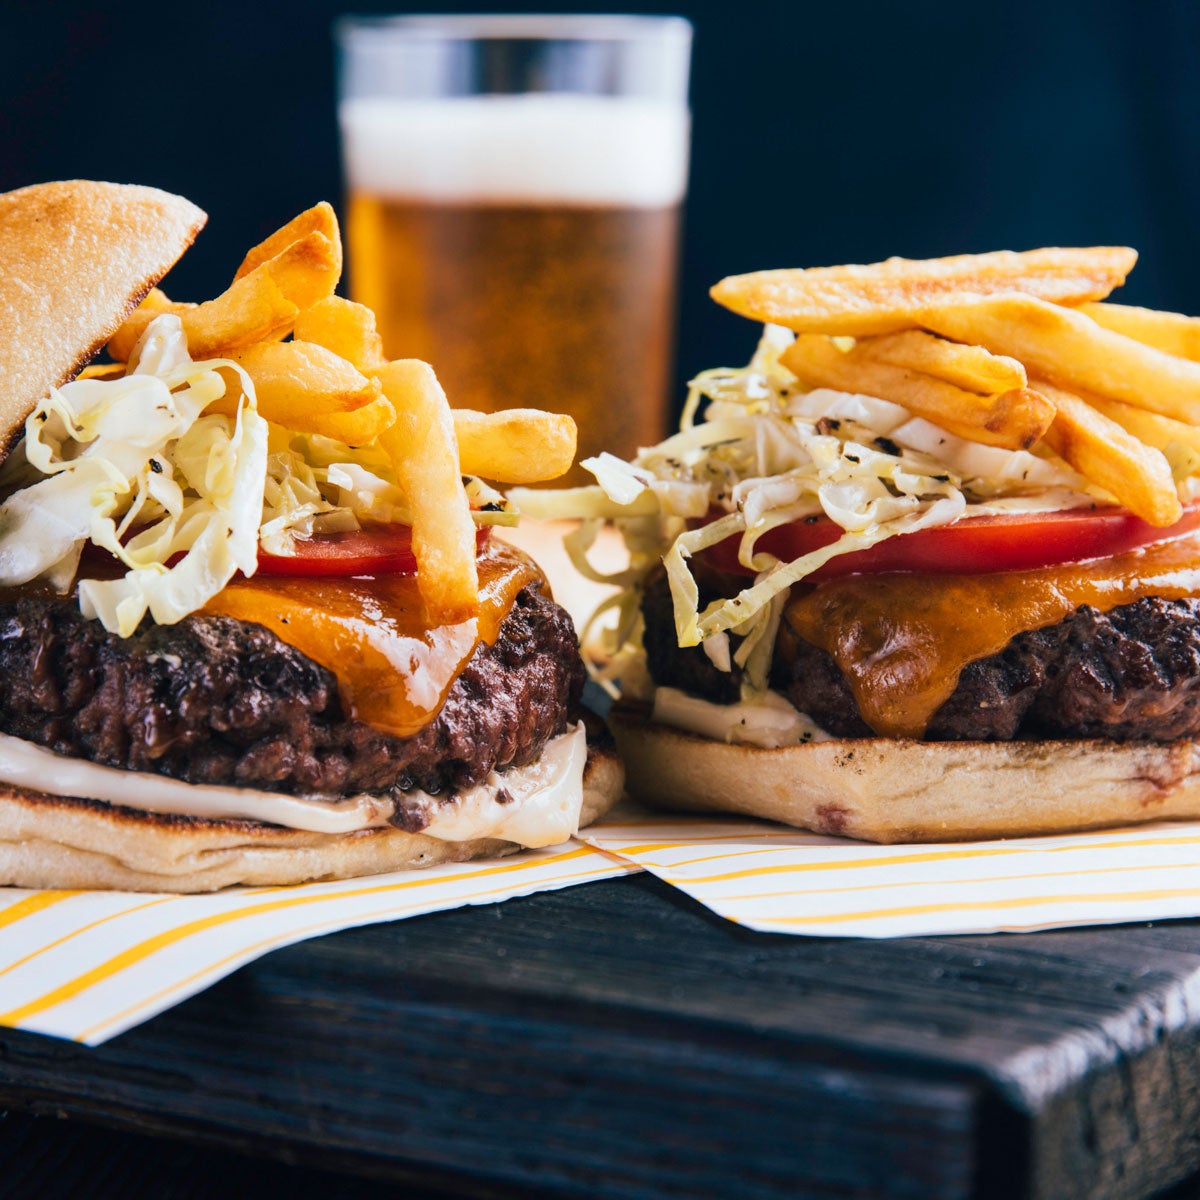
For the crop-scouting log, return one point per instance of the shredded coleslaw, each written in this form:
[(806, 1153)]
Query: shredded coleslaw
[(182, 497), (133, 466), (764, 453)]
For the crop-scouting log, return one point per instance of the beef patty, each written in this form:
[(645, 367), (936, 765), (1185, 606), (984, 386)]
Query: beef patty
[(1131, 674), (215, 700)]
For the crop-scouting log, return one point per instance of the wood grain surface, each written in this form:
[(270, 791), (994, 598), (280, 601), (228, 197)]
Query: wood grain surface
[(616, 1040)]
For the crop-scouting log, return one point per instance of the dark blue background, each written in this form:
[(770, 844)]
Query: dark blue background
[(824, 133)]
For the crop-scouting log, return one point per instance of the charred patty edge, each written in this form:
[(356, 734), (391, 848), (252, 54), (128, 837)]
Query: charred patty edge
[(214, 700), (1131, 673)]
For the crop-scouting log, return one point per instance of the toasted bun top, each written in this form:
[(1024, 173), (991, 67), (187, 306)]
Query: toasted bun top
[(77, 258)]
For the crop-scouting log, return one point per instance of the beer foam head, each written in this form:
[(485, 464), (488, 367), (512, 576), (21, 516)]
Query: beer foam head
[(535, 149)]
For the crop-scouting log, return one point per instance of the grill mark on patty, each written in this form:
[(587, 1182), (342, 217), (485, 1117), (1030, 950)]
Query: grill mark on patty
[(214, 700), (1129, 674)]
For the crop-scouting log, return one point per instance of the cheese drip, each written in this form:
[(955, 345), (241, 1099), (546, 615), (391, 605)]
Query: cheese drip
[(902, 640), (393, 667)]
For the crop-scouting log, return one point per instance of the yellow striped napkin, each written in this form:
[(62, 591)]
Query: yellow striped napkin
[(89, 965), (776, 879)]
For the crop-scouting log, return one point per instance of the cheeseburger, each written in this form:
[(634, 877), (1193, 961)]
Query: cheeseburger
[(253, 626), (928, 567)]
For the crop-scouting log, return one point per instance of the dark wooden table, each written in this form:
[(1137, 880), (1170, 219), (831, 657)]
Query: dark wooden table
[(617, 1041)]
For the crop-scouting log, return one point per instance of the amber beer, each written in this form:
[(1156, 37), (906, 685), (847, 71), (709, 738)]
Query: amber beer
[(525, 284)]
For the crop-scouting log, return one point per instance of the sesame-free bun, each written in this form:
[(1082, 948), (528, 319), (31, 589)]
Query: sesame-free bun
[(899, 790), (77, 257), (57, 842)]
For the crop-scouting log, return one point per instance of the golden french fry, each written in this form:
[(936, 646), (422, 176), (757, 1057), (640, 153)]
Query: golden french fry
[(307, 388), (345, 328), (306, 271), (1137, 475), (156, 301), (251, 310), (102, 371), (1069, 349), (971, 368), (1152, 428), (121, 344), (519, 445), (357, 427), (238, 317), (319, 219), (260, 305), (424, 453), (1173, 333), (247, 312), (1015, 419), (887, 296)]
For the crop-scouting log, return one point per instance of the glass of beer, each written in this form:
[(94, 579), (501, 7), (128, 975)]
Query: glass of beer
[(515, 185)]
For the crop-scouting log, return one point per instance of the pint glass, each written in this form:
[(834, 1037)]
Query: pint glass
[(514, 194)]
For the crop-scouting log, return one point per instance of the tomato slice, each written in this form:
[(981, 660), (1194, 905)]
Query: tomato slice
[(377, 550), (1012, 542)]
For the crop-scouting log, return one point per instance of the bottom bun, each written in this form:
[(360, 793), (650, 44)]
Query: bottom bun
[(55, 842), (884, 790)]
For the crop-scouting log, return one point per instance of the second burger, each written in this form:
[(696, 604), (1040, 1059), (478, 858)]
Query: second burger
[(929, 566)]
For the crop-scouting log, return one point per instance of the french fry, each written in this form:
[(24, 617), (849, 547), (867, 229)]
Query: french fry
[(309, 389), (252, 309), (1069, 349), (102, 371), (121, 345), (356, 427), (332, 379), (235, 318), (1173, 333), (520, 445), (156, 301), (345, 328), (306, 271), (259, 305), (1015, 419), (1152, 428), (1137, 475), (971, 368), (424, 454), (319, 219), (885, 297)]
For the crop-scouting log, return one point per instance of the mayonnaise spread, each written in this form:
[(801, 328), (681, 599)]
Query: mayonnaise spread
[(766, 720), (535, 805)]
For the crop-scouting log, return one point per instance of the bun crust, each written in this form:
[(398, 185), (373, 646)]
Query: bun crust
[(884, 790), (78, 258), (55, 842)]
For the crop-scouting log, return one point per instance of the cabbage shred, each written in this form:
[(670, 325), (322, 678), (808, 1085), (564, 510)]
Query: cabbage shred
[(180, 496), (755, 451)]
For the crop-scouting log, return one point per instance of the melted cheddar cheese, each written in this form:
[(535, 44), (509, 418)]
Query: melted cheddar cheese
[(393, 666), (902, 640)]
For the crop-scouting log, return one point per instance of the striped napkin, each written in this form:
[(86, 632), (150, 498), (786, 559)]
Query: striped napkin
[(89, 965), (779, 880)]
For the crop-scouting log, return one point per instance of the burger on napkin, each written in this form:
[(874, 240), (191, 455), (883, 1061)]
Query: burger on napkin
[(929, 567), (253, 628)]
